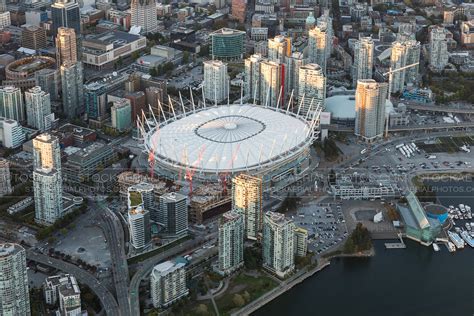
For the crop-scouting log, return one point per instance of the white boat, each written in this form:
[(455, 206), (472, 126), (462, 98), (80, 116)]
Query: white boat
[(451, 247), (467, 207), (462, 208), (435, 247), (456, 239), (467, 238), (451, 207)]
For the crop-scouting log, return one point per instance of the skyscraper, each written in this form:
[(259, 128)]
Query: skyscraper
[(216, 81), (252, 76), (311, 88), (301, 242), (47, 186), (33, 37), (318, 40), (279, 48), (231, 242), (11, 103), (247, 194), (438, 47), (272, 83), (363, 59), (14, 293), (38, 109), (278, 244), (173, 214), (72, 88), (139, 225), (46, 152), (293, 64), (66, 48), (5, 178), (239, 10), (371, 97), (168, 283), (47, 179), (50, 81), (143, 14), (66, 14), (404, 53)]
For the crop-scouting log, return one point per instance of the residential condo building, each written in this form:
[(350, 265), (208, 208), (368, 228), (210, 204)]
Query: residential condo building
[(168, 283), (371, 98), (278, 244), (247, 192), (363, 59), (173, 214), (231, 242), (216, 81), (14, 293)]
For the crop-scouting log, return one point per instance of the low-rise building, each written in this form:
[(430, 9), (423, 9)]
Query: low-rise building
[(84, 163), (105, 48)]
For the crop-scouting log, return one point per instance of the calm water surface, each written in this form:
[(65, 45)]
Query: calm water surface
[(411, 281)]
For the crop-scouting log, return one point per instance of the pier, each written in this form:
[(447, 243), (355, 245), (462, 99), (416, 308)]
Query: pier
[(396, 245)]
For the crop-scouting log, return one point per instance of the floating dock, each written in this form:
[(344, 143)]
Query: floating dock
[(396, 245)]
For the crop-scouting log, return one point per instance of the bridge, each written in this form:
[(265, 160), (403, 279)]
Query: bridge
[(407, 128), (437, 108)]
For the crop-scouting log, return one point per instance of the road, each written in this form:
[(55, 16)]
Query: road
[(106, 298), (146, 267), (115, 239)]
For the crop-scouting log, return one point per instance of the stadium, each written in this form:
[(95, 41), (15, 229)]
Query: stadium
[(210, 143)]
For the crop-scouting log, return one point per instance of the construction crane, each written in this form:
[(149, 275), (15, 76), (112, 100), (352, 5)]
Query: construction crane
[(390, 73)]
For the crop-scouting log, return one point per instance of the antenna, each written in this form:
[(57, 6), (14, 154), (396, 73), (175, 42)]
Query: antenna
[(268, 94), (279, 97), (203, 96), (172, 107), (255, 92), (162, 111), (309, 109), (182, 103), (290, 101), (192, 99), (241, 93), (152, 114)]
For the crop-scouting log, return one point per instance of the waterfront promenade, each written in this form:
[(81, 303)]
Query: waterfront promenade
[(282, 288)]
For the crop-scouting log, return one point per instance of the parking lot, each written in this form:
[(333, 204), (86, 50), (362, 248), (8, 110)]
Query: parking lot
[(325, 225)]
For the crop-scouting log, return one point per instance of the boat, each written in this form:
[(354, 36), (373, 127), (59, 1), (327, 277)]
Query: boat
[(462, 208), (435, 247), (451, 246), (468, 226), (456, 239), (467, 207), (467, 238)]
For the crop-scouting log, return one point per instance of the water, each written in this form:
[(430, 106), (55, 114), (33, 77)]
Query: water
[(412, 281)]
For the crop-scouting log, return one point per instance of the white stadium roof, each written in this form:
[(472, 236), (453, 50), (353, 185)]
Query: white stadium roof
[(229, 138)]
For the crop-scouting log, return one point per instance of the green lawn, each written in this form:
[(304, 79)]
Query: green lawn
[(248, 287)]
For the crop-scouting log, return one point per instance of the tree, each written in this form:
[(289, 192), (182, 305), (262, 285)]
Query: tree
[(202, 310), (185, 57), (238, 300), (135, 55), (246, 296)]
